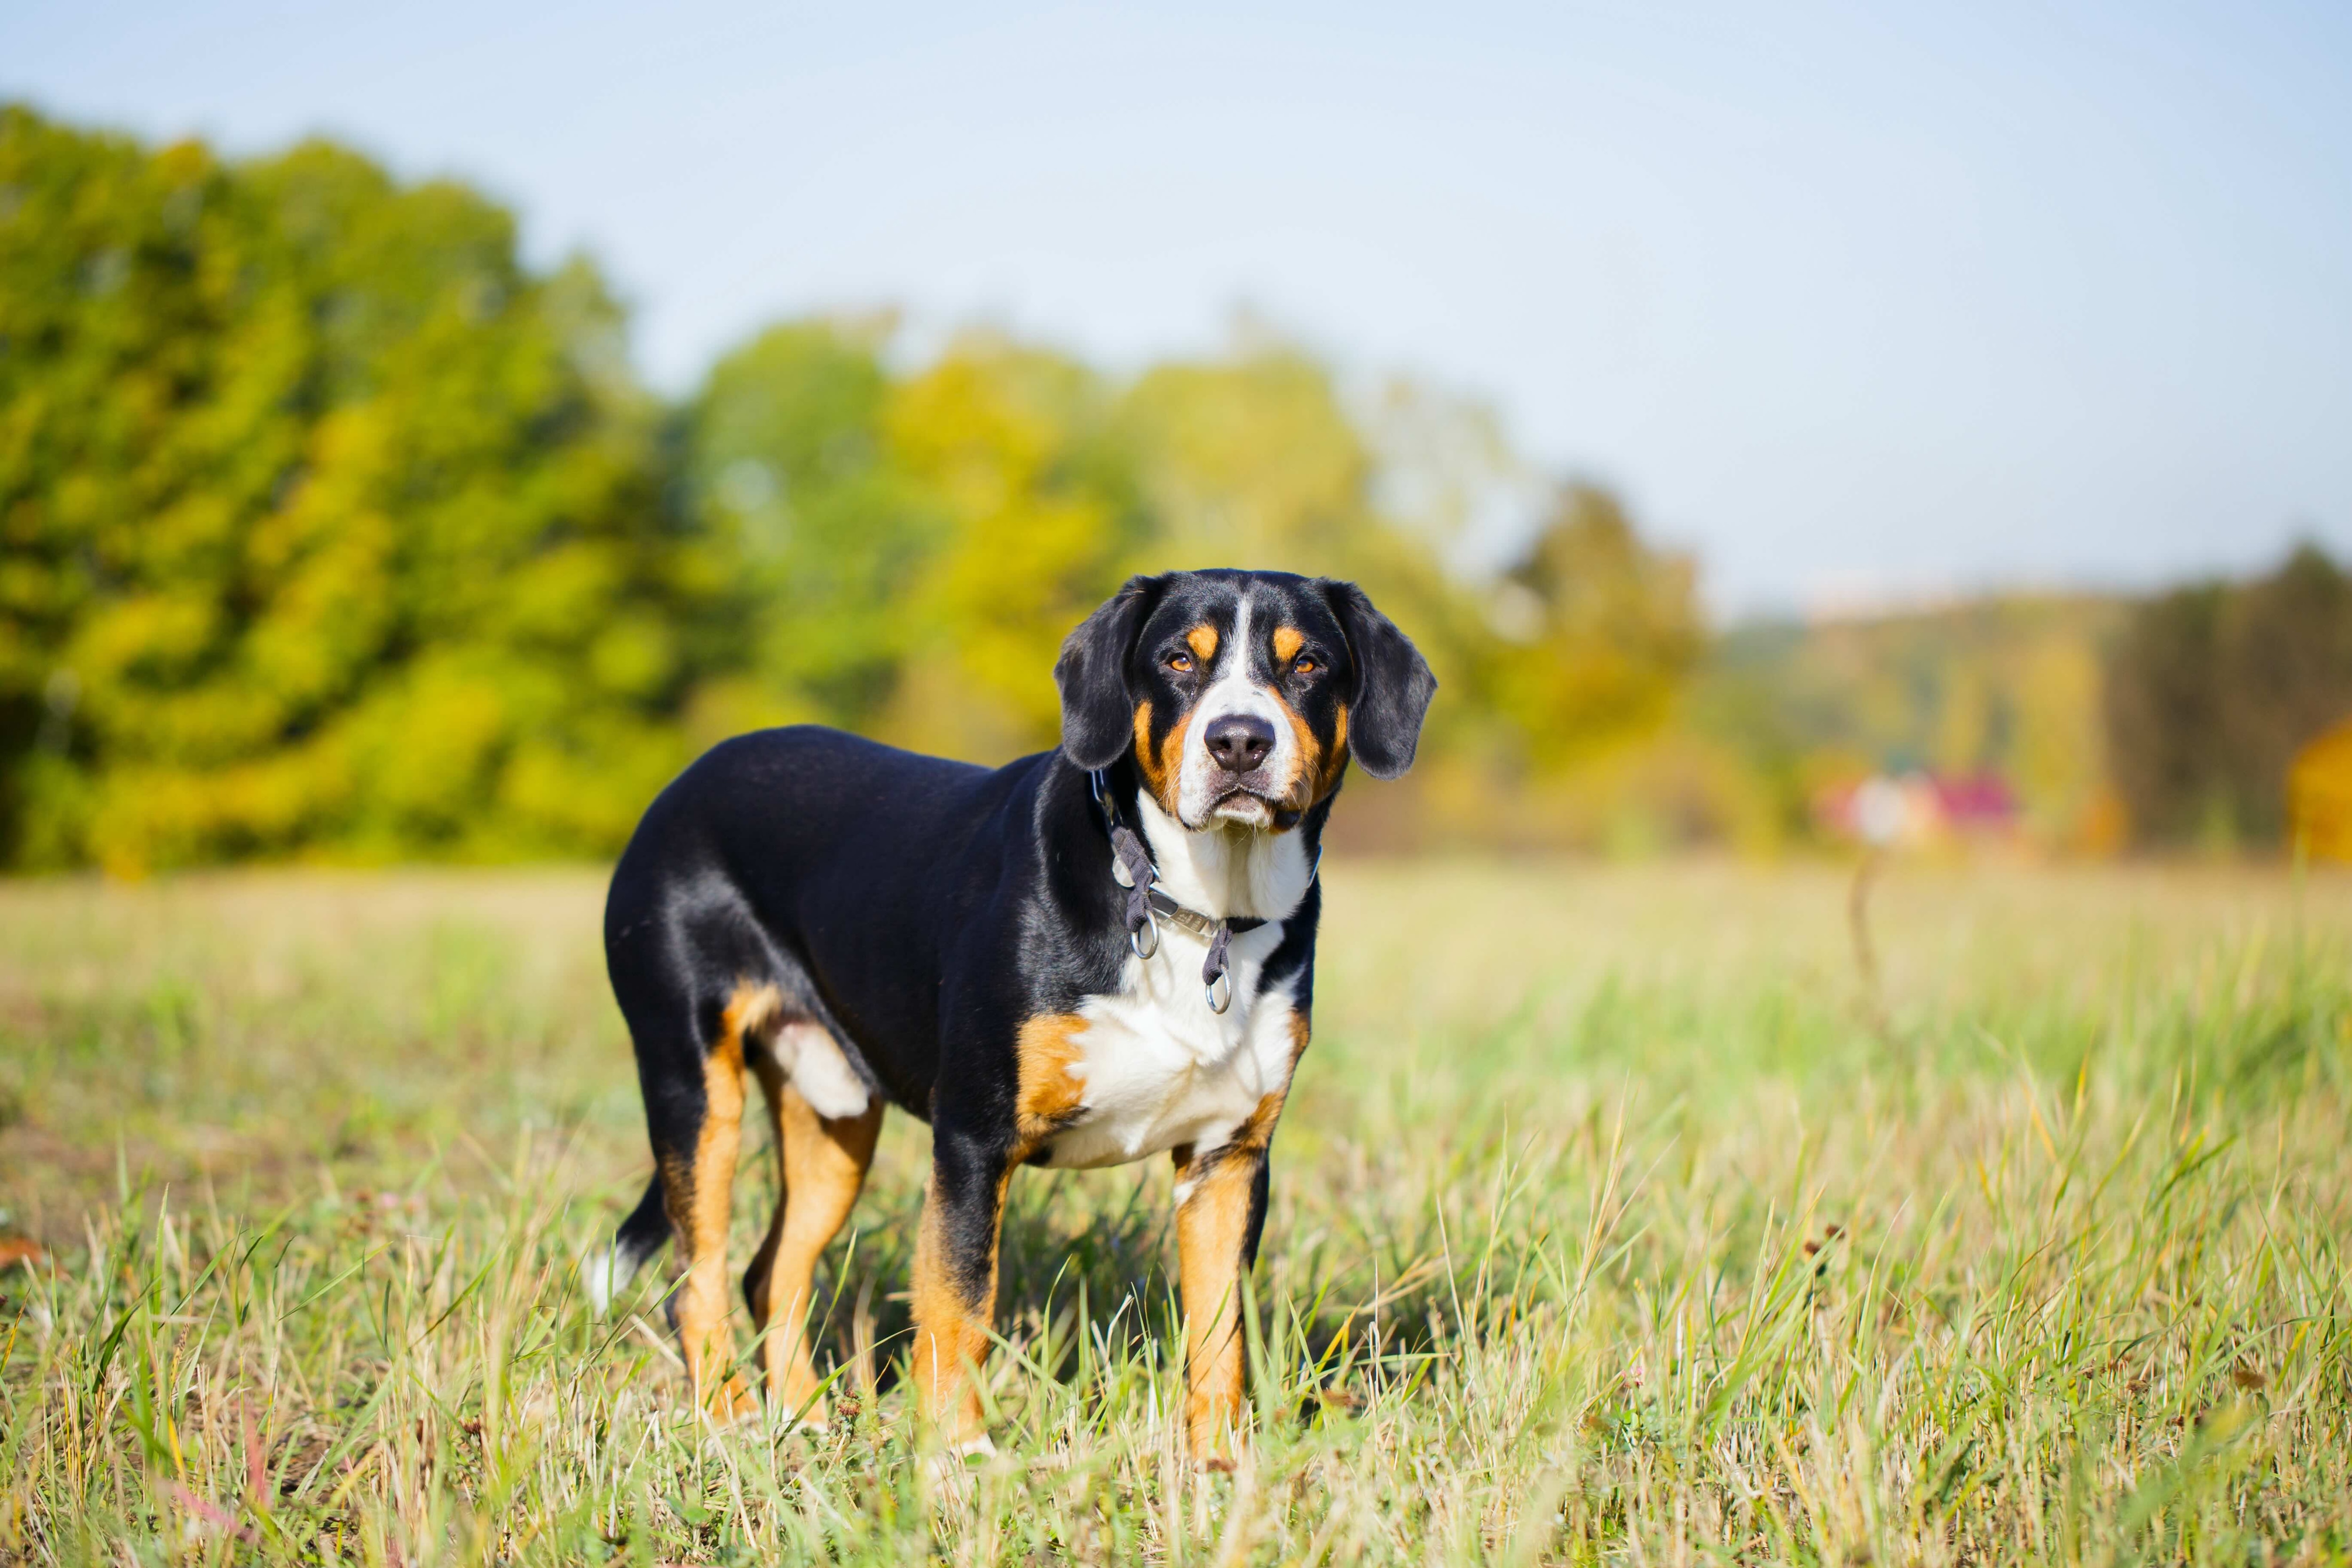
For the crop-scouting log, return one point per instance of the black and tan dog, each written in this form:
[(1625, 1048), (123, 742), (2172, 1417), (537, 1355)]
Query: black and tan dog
[(1084, 958)]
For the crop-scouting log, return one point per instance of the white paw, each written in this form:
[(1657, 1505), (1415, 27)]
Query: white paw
[(601, 1279), (948, 1466)]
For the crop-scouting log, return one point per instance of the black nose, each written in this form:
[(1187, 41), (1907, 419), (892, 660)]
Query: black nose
[(1240, 742)]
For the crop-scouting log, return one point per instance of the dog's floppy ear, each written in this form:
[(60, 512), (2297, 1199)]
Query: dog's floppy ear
[(1394, 683), (1097, 713)]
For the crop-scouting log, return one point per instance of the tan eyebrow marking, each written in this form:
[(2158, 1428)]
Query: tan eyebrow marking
[(1288, 641), (1202, 640)]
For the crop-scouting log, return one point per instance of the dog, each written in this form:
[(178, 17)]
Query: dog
[(1084, 958)]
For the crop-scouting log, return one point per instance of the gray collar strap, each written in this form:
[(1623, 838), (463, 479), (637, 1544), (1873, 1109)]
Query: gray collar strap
[(1147, 905)]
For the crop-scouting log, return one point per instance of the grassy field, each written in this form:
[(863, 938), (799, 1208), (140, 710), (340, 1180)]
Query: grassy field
[(1610, 1221)]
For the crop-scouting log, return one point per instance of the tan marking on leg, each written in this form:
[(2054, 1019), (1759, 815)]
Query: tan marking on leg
[(1051, 1090), (821, 1167), (1202, 640), (1288, 641), (1211, 1225), (951, 1332), (697, 1200)]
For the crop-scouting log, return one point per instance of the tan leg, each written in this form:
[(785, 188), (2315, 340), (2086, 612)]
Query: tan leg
[(822, 1164), (955, 1301), (1219, 1209), (695, 1192), (963, 1214)]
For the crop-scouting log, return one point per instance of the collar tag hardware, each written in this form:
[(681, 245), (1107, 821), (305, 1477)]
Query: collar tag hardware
[(1147, 906)]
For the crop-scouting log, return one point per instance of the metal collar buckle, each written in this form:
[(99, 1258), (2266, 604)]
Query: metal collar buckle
[(1147, 906)]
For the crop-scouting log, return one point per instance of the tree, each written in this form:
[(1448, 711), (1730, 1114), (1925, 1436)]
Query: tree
[(326, 523), (789, 470), (2212, 688), (2285, 647), (1599, 631), (1016, 451), (330, 529)]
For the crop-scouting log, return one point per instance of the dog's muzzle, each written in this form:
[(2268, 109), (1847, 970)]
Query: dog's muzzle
[(1238, 746)]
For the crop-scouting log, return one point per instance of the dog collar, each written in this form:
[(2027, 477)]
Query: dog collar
[(1147, 905)]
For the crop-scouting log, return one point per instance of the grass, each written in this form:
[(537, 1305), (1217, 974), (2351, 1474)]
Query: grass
[(1610, 1222)]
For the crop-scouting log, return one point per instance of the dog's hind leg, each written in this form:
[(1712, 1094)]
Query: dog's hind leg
[(698, 1181), (821, 1167)]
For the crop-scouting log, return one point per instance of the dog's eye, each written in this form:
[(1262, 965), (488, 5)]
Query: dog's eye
[(1305, 663), (1179, 662)]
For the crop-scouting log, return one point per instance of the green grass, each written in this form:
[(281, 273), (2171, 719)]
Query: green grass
[(1610, 1222)]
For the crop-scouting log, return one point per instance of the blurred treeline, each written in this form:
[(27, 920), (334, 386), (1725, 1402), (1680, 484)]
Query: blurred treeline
[(2171, 721), (2215, 687), (2007, 686), (330, 529)]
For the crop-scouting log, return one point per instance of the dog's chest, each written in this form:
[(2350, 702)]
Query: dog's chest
[(1158, 1069)]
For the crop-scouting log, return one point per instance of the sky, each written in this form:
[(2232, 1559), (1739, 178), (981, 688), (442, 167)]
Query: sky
[(1862, 303)]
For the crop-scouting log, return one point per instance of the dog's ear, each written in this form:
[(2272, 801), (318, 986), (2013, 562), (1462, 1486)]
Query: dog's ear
[(1394, 683), (1097, 711)]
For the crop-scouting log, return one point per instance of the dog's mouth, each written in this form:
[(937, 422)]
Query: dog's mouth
[(1243, 806)]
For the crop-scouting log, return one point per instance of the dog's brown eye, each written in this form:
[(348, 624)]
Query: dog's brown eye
[(1179, 662), (1303, 665)]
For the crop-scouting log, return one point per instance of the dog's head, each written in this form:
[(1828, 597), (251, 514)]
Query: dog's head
[(1241, 695)]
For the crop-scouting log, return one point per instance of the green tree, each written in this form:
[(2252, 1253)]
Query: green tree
[(1600, 631), (2212, 688), (1016, 450), (910, 551), (2163, 703), (326, 523), (331, 528), (2286, 672), (791, 469)]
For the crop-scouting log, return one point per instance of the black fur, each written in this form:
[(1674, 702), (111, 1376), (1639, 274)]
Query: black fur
[(1098, 712), (1393, 684)]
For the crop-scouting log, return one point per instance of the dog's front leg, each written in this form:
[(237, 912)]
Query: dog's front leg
[(1219, 1210), (955, 1280)]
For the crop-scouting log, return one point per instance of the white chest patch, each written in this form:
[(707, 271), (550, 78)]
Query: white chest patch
[(1157, 1069), (1154, 1067)]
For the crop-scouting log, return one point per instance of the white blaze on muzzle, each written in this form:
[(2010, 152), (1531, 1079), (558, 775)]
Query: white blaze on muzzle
[(1203, 786)]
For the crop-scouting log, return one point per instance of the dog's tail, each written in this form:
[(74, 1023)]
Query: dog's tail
[(604, 1275)]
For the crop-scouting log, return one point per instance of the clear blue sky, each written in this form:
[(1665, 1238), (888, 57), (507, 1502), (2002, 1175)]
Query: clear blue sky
[(1852, 300)]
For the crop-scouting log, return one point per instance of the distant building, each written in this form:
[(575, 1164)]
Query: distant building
[(1918, 809)]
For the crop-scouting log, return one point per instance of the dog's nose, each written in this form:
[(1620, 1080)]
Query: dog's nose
[(1240, 742)]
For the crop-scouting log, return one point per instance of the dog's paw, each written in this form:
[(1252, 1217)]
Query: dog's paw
[(730, 1403), (601, 1279), (951, 1465)]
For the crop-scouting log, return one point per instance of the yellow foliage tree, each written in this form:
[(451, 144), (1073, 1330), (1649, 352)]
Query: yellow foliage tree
[(327, 525), (1013, 446)]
